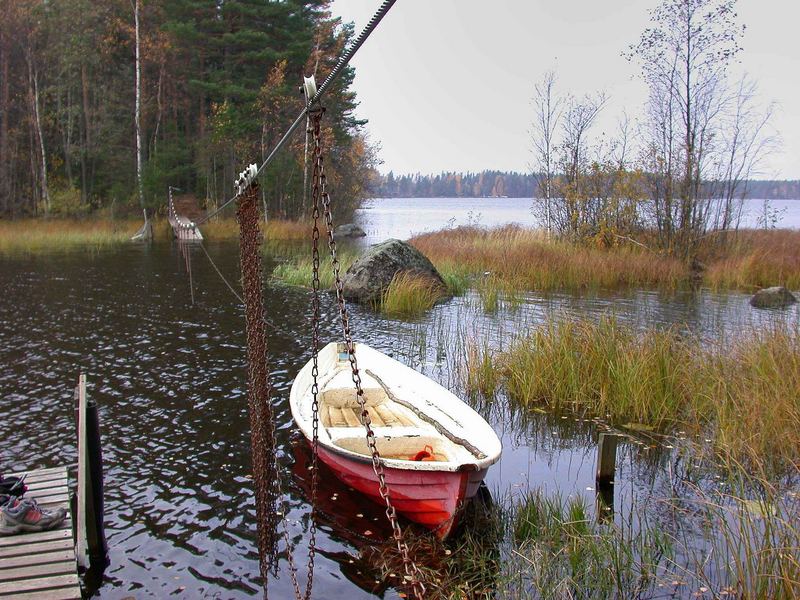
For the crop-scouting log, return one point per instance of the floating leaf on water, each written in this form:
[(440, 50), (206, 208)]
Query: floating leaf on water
[(638, 427)]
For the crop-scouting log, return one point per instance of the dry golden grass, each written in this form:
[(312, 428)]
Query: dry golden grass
[(37, 235), (524, 258), (755, 259)]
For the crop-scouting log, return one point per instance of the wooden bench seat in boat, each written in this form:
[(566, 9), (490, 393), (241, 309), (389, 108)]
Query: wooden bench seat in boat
[(339, 405), (388, 414)]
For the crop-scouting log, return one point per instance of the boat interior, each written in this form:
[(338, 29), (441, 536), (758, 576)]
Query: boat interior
[(400, 433)]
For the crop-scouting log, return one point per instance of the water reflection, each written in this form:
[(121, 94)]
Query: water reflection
[(169, 377)]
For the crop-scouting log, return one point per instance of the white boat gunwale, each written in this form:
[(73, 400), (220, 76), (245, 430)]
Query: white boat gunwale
[(416, 391)]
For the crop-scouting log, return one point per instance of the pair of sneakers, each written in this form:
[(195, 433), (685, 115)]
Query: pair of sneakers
[(19, 515)]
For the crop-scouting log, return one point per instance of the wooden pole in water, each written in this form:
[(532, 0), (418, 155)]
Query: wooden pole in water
[(606, 459), (604, 478)]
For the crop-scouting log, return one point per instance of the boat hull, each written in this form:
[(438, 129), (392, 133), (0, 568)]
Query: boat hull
[(430, 498)]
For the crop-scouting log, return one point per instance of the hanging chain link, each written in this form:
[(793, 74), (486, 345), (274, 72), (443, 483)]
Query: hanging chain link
[(319, 192), (315, 317), (262, 439), (266, 474)]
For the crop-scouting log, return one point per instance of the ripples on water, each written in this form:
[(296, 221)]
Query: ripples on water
[(169, 378)]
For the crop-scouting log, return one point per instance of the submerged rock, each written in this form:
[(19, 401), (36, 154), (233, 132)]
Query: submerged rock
[(367, 279), (773, 297), (348, 230)]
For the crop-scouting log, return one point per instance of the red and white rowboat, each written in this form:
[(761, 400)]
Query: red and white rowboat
[(434, 448)]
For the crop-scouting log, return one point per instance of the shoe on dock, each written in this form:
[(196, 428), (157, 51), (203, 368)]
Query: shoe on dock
[(12, 486), (26, 516)]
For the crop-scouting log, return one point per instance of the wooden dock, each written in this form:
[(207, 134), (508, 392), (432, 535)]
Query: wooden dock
[(42, 566)]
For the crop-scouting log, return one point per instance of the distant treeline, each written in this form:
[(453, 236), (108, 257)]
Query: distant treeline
[(521, 185)]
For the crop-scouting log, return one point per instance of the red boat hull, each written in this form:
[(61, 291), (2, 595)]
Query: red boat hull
[(431, 498)]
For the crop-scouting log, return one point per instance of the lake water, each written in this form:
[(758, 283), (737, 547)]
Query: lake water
[(402, 218), (169, 377)]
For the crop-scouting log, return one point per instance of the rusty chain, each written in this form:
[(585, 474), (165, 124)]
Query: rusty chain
[(262, 439), (319, 192), (315, 317)]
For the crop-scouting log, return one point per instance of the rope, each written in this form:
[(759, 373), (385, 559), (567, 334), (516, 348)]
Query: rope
[(334, 74)]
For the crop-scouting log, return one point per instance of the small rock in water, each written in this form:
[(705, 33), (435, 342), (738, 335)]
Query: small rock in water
[(773, 297), (349, 230)]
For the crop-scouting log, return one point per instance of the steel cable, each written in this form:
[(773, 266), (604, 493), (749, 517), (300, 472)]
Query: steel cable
[(334, 74)]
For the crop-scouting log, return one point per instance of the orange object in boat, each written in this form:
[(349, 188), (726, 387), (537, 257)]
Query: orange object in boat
[(424, 454)]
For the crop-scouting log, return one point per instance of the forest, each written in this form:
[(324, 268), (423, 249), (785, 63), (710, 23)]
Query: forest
[(103, 105), (488, 184)]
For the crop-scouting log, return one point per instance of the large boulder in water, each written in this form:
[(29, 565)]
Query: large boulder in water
[(367, 279), (773, 297)]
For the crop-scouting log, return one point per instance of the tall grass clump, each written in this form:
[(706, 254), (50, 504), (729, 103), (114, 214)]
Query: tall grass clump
[(743, 393), (32, 236), (753, 259), (752, 384), (600, 368), (482, 378), (410, 294)]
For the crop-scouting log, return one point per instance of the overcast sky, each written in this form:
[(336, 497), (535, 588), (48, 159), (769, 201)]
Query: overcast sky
[(447, 84)]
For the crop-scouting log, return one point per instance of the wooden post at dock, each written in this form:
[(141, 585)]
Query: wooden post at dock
[(91, 549)]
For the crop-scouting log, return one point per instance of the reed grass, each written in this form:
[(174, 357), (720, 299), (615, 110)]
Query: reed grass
[(31, 236), (743, 392), (298, 269), (525, 259), (570, 554), (482, 376), (410, 294), (755, 259), (741, 542)]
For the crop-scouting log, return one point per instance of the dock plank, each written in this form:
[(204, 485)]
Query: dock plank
[(41, 565), (22, 550), (40, 558), (44, 570), (37, 583), (33, 538), (68, 593), (46, 485)]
